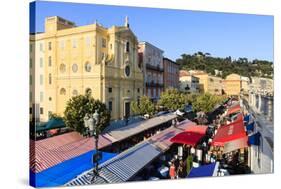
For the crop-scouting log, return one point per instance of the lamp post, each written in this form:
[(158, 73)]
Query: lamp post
[(97, 155), (92, 123)]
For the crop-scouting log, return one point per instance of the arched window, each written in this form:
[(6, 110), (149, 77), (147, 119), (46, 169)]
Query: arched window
[(127, 46), (74, 68), (62, 91), (50, 79), (74, 92), (88, 67), (88, 91)]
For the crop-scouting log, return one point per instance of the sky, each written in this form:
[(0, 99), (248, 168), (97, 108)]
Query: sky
[(174, 31)]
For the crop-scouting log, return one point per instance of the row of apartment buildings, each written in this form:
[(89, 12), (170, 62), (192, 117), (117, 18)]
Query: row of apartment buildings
[(195, 81), (109, 63), (159, 72)]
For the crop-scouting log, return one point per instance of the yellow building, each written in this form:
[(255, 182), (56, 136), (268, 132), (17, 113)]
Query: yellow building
[(215, 85), (36, 79), (89, 59), (232, 84), (208, 83)]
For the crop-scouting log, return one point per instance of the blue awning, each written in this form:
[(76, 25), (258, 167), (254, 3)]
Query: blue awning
[(247, 118), (62, 173), (122, 167), (251, 126), (204, 170), (254, 139)]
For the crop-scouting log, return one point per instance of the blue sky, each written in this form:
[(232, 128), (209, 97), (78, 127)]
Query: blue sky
[(175, 31)]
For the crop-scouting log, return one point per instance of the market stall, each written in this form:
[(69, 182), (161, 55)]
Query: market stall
[(230, 144), (205, 170), (233, 109)]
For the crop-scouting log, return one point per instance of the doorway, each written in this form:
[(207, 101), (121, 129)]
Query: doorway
[(127, 109)]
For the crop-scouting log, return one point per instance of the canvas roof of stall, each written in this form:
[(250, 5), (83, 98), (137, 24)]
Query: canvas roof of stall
[(62, 173), (235, 144), (122, 167), (234, 108), (162, 139), (239, 117), (229, 133), (136, 128), (204, 170), (52, 151), (201, 129), (186, 137), (51, 124), (125, 165)]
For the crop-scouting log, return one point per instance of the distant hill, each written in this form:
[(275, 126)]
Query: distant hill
[(241, 66)]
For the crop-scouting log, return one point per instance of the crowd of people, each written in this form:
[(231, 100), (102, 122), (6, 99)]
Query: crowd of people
[(205, 153)]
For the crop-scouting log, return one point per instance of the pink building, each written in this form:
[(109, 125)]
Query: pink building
[(171, 74)]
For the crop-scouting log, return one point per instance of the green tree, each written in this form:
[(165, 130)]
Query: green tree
[(190, 98), (55, 116), (78, 106), (172, 99), (206, 102), (241, 66), (144, 106)]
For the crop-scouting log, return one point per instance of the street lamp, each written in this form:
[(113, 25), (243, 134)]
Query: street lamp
[(97, 156), (92, 122)]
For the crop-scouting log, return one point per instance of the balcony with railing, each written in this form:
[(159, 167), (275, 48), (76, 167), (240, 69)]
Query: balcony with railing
[(155, 68), (154, 84)]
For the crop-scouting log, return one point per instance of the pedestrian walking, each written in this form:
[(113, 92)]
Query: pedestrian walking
[(181, 171), (172, 171)]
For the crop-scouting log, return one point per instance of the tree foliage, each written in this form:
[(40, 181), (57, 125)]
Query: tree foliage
[(206, 102), (173, 99), (241, 66), (78, 106), (144, 106), (55, 116), (190, 98)]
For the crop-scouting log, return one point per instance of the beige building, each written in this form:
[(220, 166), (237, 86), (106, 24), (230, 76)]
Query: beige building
[(88, 59), (262, 85), (245, 81), (151, 59), (188, 82), (208, 83), (215, 85), (232, 84)]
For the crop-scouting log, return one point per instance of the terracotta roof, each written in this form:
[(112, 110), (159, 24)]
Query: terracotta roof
[(51, 151), (184, 73)]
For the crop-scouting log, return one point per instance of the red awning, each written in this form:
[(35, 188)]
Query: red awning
[(189, 138), (233, 109), (201, 129), (229, 133), (235, 144), (239, 118)]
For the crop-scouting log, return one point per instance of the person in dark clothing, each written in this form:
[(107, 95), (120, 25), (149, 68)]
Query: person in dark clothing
[(181, 171)]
